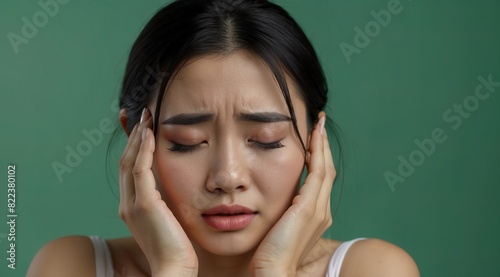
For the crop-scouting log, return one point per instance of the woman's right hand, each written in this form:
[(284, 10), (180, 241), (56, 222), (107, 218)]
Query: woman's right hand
[(152, 224)]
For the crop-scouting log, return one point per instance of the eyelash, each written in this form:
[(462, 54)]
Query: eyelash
[(190, 148), (183, 148), (271, 145)]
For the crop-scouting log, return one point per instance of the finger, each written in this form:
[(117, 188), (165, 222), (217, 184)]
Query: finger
[(129, 161), (126, 189), (145, 184), (316, 167), (326, 188), (323, 210), (329, 163)]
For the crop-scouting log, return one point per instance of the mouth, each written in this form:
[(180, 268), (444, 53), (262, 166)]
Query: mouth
[(229, 218)]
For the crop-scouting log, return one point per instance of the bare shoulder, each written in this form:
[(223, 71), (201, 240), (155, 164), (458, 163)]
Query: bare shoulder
[(368, 257), (317, 260), (376, 257), (128, 258), (66, 256)]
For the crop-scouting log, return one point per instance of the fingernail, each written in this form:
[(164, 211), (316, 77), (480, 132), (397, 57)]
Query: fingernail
[(321, 125), (142, 115)]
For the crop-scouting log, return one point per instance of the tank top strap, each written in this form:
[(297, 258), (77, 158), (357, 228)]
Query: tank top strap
[(103, 259), (338, 257)]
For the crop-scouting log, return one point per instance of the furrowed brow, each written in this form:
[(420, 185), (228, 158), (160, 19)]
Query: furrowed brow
[(188, 119), (264, 117)]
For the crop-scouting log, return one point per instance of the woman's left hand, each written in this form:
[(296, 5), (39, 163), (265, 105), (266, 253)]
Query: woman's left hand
[(299, 229)]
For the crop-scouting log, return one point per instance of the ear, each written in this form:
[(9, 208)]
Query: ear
[(124, 120)]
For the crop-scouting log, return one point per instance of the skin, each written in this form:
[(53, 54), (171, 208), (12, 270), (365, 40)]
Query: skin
[(164, 192), (230, 166)]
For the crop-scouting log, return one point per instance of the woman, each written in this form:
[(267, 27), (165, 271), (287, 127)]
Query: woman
[(209, 179)]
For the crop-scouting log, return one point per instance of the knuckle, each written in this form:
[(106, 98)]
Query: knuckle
[(322, 172), (124, 164), (319, 174), (319, 217), (331, 170), (123, 214), (329, 222), (316, 177), (141, 207), (330, 176), (137, 170), (327, 218), (306, 211)]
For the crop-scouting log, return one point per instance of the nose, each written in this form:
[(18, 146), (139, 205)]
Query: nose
[(229, 172)]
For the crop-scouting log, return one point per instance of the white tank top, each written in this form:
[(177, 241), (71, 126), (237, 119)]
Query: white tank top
[(104, 262)]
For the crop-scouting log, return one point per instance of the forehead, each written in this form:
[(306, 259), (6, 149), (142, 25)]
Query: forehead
[(236, 82)]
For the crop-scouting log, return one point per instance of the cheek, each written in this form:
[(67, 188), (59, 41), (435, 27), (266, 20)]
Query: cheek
[(280, 174), (177, 179)]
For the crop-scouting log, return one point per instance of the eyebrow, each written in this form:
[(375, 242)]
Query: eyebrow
[(264, 117), (195, 118), (188, 119)]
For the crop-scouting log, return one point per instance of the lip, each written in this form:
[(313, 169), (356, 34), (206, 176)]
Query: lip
[(229, 218)]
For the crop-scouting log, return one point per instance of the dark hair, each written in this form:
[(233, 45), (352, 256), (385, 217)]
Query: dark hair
[(190, 28)]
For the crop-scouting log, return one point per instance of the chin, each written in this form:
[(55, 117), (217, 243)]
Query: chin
[(230, 247), (233, 243)]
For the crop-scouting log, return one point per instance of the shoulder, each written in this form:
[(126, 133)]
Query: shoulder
[(317, 260), (376, 257), (74, 256), (66, 256), (368, 257)]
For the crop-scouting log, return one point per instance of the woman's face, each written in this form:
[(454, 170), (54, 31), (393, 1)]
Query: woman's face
[(225, 138)]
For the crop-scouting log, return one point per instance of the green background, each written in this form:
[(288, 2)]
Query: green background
[(446, 214)]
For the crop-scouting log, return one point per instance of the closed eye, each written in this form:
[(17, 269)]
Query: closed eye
[(270, 145), (190, 148), (184, 148)]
